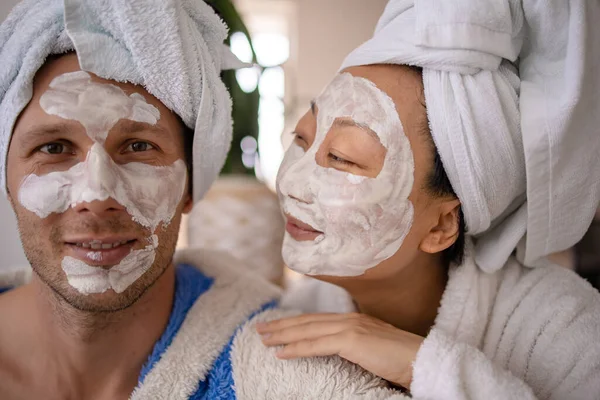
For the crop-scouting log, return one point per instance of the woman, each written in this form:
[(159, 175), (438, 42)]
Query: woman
[(442, 305)]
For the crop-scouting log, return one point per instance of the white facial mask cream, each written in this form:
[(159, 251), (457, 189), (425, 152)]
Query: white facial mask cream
[(97, 106), (150, 194), (89, 280), (364, 220)]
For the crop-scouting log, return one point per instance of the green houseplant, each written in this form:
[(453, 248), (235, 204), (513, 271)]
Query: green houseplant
[(238, 199), (245, 105)]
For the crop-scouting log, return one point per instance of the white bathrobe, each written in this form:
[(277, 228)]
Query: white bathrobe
[(518, 333)]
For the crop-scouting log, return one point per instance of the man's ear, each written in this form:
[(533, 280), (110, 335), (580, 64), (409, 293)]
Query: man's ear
[(446, 230), (10, 198), (188, 203)]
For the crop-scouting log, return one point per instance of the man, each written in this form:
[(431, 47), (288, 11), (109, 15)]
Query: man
[(101, 104)]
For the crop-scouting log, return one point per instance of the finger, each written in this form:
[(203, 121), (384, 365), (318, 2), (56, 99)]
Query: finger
[(306, 331), (266, 327), (323, 346)]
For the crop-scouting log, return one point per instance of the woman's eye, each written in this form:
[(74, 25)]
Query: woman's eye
[(339, 160), (139, 147), (300, 140), (54, 148)]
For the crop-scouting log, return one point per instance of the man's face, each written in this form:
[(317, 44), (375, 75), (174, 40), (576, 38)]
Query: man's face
[(96, 177)]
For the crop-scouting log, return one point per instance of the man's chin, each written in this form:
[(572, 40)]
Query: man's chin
[(106, 302)]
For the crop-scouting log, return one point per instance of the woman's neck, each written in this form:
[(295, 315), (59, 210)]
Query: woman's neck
[(408, 299)]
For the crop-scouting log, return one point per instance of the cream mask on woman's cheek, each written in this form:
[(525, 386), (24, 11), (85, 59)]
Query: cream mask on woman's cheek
[(364, 220), (98, 107)]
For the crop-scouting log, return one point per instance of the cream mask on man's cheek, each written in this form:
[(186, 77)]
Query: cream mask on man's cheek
[(98, 107), (364, 220)]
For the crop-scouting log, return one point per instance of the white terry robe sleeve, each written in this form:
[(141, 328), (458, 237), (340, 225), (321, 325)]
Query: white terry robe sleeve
[(447, 369), (540, 339)]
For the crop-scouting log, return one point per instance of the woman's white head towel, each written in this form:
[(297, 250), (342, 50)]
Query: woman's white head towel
[(174, 48), (522, 149)]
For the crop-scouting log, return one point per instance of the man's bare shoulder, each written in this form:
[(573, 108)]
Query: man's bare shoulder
[(13, 313), (12, 386), (13, 380), (16, 350)]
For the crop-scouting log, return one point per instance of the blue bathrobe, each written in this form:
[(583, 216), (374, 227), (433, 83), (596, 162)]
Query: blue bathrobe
[(210, 348)]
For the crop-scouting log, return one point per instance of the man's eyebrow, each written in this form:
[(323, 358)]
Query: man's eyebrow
[(43, 132), (344, 122), (129, 126)]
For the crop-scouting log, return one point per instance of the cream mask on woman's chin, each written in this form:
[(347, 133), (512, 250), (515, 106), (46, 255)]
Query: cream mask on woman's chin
[(364, 220), (98, 107)]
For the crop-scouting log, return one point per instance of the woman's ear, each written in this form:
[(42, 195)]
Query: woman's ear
[(446, 230)]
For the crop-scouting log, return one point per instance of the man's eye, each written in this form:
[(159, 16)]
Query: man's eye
[(54, 148), (139, 147)]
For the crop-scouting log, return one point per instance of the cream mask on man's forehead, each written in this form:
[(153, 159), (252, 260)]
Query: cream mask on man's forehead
[(364, 220), (98, 107)]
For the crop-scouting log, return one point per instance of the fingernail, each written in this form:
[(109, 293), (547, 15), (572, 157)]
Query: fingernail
[(265, 336)]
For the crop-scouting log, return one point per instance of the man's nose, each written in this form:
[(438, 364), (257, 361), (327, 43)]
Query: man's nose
[(100, 207)]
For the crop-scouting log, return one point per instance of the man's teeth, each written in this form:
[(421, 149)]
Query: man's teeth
[(97, 245)]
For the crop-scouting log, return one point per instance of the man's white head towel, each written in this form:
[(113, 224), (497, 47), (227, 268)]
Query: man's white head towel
[(512, 95), (174, 48)]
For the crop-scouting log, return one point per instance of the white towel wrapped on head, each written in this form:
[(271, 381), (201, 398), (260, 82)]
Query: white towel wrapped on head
[(512, 100), (175, 49)]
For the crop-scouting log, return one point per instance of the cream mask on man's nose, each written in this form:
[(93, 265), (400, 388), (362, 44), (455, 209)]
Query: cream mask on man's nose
[(150, 194), (364, 220)]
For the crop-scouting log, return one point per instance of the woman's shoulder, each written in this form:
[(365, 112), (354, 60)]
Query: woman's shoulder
[(544, 326), (545, 297), (547, 286)]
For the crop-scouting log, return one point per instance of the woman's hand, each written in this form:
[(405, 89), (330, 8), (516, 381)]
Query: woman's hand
[(378, 347)]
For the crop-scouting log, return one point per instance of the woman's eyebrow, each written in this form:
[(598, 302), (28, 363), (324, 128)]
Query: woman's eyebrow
[(345, 122)]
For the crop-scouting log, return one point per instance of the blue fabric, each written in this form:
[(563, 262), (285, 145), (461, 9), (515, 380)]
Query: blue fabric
[(190, 283), (2, 290), (220, 384)]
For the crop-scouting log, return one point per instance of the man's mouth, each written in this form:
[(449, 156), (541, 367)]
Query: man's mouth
[(100, 252), (301, 231), (99, 245)]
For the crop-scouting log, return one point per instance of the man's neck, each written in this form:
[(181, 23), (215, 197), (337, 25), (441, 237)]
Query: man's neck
[(408, 299), (100, 352)]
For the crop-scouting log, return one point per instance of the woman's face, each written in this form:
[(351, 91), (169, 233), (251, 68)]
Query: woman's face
[(352, 185)]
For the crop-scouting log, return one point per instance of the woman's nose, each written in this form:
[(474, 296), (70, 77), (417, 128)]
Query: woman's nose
[(298, 199)]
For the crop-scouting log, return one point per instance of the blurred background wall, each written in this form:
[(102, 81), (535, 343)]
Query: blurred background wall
[(11, 253)]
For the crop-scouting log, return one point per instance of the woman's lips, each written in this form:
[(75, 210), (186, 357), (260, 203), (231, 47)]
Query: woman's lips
[(300, 231), (101, 256)]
